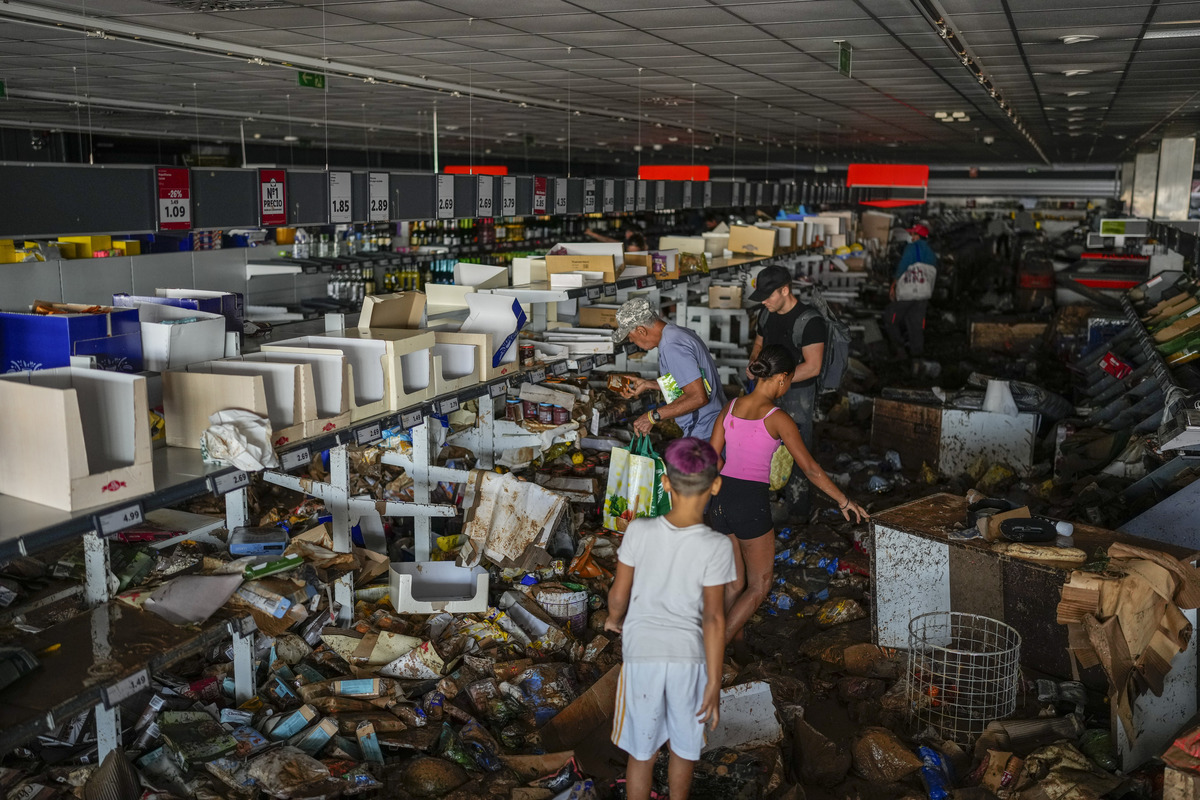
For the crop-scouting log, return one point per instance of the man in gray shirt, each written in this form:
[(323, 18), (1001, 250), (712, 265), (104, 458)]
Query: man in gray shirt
[(689, 379)]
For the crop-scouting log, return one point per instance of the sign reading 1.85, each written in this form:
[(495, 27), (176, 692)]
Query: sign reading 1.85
[(339, 197)]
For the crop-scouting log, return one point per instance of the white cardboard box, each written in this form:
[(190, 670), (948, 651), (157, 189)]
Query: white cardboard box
[(481, 276), (74, 438), (283, 393), (390, 369), (502, 318), (331, 385), (458, 360), (168, 343)]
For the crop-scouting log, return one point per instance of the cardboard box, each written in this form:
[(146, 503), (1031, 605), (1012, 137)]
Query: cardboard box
[(447, 297), (330, 382), (85, 246), (481, 276), (459, 360), (528, 270), (47, 341), (390, 369), (399, 310), (1180, 784), (231, 304), (684, 244), (875, 225), (174, 337), (283, 393), (1006, 333), (500, 317), (436, 586), (725, 296), (608, 258), (598, 316), (755, 241), (587, 713), (129, 247), (74, 438)]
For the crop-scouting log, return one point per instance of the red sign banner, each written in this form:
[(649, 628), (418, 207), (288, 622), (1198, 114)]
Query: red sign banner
[(174, 199), (272, 196)]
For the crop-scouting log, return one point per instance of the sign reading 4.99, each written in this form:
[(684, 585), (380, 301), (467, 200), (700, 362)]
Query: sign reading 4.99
[(174, 199)]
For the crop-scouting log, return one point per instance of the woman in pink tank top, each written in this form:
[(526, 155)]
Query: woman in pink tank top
[(745, 436)]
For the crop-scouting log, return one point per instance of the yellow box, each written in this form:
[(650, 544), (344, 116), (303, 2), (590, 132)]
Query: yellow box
[(130, 247), (86, 245)]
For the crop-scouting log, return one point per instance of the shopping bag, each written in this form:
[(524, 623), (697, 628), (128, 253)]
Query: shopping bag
[(917, 282), (660, 500), (630, 488), (782, 464)]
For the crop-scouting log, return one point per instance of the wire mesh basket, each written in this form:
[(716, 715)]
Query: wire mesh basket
[(963, 672)]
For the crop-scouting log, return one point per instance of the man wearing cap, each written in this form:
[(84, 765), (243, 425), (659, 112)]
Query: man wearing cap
[(800, 329), (689, 376), (909, 315)]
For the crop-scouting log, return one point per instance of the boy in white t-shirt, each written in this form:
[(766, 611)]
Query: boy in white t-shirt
[(668, 603)]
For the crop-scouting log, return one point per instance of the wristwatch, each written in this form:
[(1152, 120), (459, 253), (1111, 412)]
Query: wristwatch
[(654, 415)]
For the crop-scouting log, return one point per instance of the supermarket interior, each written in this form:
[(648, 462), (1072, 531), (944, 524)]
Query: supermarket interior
[(388, 398)]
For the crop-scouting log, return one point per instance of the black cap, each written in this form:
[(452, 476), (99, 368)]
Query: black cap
[(768, 281)]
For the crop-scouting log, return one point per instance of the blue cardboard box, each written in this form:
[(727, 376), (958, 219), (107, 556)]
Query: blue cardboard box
[(46, 341), (228, 304)]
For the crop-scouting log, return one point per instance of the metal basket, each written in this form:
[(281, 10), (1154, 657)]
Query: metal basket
[(963, 672)]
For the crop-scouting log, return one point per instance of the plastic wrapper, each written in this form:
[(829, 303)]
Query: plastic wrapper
[(880, 757), (935, 774), (451, 747), (240, 439), (286, 771), (838, 612)]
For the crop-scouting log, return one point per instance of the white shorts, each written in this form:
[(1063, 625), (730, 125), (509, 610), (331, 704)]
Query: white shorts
[(658, 701)]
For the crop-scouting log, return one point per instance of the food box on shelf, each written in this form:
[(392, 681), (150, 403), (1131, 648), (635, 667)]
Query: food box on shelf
[(113, 336)]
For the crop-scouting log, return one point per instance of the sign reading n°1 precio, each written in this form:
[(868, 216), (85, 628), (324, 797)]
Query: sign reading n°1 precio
[(272, 196), (174, 199)]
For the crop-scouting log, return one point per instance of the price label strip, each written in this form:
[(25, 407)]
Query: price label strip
[(368, 435), (593, 293), (125, 688), (411, 419), (610, 290), (221, 485), (585, 364), (559, 368), (295, 459), (116, 521), (447, 406), (498, 389), (602, 359)]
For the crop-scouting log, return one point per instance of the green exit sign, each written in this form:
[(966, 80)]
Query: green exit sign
[(844, 54), (312, 80)]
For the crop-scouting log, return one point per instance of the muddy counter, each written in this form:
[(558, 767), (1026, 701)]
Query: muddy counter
[(917, 569)]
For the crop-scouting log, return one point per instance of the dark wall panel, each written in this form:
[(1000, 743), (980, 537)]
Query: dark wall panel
[(413, 196), (224, 198), (49, 201), (308, 198)]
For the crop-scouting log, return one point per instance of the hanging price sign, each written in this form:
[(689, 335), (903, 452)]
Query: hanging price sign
[(272, 193), (539, 195), (445, 197), (339, 197), (610, 196), (589, 196), (560, 195), (377, 195), (707, 194), (484, 189), (508, 196), (687, 194), (174, 199), (641, 195)]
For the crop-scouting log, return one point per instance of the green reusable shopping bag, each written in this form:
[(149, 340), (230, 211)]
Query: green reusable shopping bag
[(660, 500)]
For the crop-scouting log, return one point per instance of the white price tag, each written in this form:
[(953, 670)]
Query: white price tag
[(175, 209), (377, 194), (593, 293), (126, 688), (242, 626), (707, 194), (447, 406), (295, 458), (559, 368), (498, 389), (508, 196), (602, 359), (411, 419), (484, 190), (610, 196), (589, 196), (585, 364), (660, 195), (737, 194), (339, 197), (537, 375), (560, 195), (775, 194), (628, 195), (445, 197), (693, 277), (224, 484), (641, 195), (368, 435), (116, 521), (687, 194), (610, 290)]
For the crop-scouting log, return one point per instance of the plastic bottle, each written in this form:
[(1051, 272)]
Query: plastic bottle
[(300, 244)]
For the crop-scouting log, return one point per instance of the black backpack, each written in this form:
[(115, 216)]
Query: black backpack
[(837, 340)]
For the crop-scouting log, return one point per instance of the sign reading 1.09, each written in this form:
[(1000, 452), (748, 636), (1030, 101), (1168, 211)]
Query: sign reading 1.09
[(174, 199)]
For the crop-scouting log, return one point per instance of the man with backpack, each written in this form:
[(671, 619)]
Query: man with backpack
[(803, 331), (912, 286)]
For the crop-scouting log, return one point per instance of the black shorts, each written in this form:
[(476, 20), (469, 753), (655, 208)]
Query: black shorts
[(741, 508)]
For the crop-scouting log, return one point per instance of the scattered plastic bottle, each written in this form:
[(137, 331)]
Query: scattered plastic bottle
[(893, 460), (781, 601), (784, 534), (1097, 744), (300, 247), (879, 485)]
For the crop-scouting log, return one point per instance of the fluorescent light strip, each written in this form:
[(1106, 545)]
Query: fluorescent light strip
[(1182, 33)]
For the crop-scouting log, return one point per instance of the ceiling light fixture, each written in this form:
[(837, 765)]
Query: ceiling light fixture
[(1076, 93), (940, 115), (291, 138), (959, 114), (672, 139), (1078, 38), (1071, 73), (1178, 33)]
